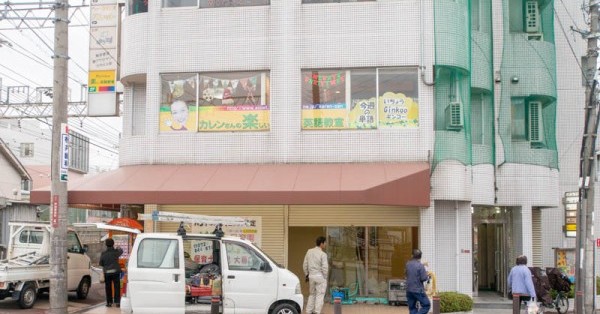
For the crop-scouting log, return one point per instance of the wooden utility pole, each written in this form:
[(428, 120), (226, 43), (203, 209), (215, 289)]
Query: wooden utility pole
[(584, 281), (58, 253)]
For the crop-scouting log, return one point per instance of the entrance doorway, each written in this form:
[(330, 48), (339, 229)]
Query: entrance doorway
[(490, 250)]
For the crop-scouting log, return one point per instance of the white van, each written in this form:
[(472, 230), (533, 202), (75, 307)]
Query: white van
[(170, 273)]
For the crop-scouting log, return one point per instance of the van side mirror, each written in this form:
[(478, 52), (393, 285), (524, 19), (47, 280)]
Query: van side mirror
[(266, 267), (85, 248)]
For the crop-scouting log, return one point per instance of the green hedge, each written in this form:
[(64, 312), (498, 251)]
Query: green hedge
[(455, 302)]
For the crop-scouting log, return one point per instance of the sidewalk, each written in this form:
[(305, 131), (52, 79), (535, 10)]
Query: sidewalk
[(327, 309)]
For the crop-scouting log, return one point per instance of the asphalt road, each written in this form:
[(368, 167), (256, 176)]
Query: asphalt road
[(42, 305)]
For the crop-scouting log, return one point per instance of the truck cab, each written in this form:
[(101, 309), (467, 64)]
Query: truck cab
[(171, 273)]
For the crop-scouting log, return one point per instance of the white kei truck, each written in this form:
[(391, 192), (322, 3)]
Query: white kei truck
[(183, 273), (26, 270)]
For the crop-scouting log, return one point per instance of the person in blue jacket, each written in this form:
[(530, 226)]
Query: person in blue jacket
[(520, 281), (415, 290)]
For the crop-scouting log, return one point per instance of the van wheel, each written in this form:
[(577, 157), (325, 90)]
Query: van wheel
[(285, 308), (84, 288), (28, 296)]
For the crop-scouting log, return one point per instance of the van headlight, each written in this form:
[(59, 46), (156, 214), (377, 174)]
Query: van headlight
[(298, 289)]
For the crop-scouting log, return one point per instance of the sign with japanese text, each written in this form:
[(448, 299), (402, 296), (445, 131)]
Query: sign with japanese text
[(64, 152), (101, 81), (54, 209), (571, 205), (202, 251), (122, 241), (103, 56), (252, 232)]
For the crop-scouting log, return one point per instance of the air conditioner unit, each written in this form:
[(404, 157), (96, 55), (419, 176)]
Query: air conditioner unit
[(532, 21), (536, 128), (454, 116)]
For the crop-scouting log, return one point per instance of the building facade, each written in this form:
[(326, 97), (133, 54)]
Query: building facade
[(384, 125)]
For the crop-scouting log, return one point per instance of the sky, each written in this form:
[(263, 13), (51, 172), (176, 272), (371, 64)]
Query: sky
[(25, 60)]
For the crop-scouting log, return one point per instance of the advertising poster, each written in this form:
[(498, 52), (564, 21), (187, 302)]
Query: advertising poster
[(363, 113), (324, 116), (251, 233), (178, 109), (565, 260), (398, 111), (202, 251), (233, 102), (102, 81), (122, 241)]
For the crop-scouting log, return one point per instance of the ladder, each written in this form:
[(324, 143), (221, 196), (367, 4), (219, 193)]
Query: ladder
[(201, 220)]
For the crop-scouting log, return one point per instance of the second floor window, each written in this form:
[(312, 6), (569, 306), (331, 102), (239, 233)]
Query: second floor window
[(26, 150)]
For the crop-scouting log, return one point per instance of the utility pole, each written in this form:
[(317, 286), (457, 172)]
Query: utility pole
[(584, 281), (58, 253)]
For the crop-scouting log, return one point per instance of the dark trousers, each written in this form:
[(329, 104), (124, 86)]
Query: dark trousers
[(112, 281), (413, 297)]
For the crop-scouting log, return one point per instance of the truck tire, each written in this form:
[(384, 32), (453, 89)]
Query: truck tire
[(28, 296), (285, 308), (84, 288)]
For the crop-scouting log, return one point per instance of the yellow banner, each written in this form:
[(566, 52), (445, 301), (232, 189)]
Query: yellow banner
[(234, 118), (325, 116), (398, 111), (101, 81)]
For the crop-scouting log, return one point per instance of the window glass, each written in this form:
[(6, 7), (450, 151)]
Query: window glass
[(398, 98), (324, 103), (241, 257), (231, 3), (158, 253), (518, 120), (137, 6), (234, 101), (73, 245), (179, 3), (178, 108), (28, 236), (475, 14), (359, 98), (383, 251), (363, 108), (478, 123), (26, 150)]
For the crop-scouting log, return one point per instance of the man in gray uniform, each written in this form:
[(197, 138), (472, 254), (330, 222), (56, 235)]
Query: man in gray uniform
[(316, 268)]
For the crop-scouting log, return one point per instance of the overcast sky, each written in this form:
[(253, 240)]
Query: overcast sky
[(26, 61)]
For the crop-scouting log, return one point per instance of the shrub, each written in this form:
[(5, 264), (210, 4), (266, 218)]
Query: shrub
[(455, 302)]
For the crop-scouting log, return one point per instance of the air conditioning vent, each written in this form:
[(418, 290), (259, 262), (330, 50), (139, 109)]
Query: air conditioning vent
[(454, 116), (532, 21), (536, 130), (532, 17)]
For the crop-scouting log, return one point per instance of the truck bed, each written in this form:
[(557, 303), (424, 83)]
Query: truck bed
[(25, 268)]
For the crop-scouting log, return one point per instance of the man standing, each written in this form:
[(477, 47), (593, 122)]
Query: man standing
[(415, 291), (316, 268), (109, 260)]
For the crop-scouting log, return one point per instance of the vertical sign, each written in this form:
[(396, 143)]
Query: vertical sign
[(103, 65), (571, 204), (64, 152), (54, 218)]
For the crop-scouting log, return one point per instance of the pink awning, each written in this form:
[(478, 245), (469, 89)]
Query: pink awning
[(404, 184)]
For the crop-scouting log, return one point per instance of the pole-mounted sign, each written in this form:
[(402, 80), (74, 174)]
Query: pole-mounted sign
[(571, 204), (64, 152)]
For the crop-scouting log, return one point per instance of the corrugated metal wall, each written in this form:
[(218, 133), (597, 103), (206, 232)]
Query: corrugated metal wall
[(348, 215), (536, 237)]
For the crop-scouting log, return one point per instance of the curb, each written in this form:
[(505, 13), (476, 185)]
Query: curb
[(85, 309)]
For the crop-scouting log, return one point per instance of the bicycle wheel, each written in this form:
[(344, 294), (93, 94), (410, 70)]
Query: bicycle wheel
[(561, 304)]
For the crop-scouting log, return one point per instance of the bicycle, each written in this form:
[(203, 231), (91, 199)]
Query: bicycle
[(560, 303)]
